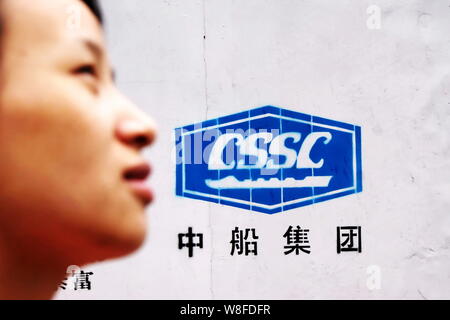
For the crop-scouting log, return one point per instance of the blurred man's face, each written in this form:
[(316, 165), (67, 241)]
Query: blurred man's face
[(67, 136)]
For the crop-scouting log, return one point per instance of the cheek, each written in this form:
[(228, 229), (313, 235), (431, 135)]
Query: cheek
[(57, 149)]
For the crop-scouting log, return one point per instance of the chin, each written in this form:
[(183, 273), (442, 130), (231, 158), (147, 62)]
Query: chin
[(113, 250), (128, 243), (111, 244)]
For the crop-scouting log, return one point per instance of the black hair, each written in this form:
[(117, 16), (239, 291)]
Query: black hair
[(95, 8)]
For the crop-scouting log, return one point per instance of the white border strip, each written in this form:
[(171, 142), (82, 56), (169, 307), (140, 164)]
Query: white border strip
[(264, 116), (265, 206)]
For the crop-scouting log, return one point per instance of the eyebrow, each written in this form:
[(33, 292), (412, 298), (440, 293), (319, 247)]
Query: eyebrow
[(98, 53), (94, 48)]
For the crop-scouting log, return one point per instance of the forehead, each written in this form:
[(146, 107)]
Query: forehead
[(29, 22)]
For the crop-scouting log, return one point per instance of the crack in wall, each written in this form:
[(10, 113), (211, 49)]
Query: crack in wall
[(205, 68), (421, 294), (205, 63)]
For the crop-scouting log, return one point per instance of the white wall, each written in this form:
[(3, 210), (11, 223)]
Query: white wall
[(317, 57)]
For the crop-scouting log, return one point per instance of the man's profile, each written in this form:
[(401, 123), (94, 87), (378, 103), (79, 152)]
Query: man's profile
[(71, 171)]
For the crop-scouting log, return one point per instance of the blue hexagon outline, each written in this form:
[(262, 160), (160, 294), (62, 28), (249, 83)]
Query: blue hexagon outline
[(280, 113)]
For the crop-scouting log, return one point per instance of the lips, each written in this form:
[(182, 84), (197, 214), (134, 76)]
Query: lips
[(136, 177)]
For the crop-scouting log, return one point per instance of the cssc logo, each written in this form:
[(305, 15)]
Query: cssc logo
[(268, 160)]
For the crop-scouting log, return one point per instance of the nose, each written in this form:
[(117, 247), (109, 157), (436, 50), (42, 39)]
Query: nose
[(136, 129)]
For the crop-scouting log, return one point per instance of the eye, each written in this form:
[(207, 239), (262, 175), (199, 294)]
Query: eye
[(87, 69)]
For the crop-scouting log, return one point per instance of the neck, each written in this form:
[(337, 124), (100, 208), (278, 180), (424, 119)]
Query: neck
[(28, 274)]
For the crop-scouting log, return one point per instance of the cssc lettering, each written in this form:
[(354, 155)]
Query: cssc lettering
[(277, 147)]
